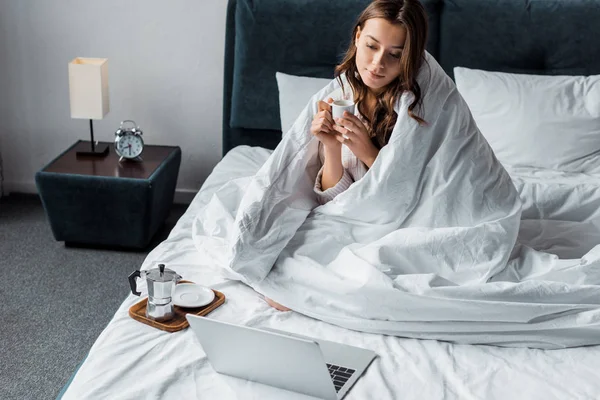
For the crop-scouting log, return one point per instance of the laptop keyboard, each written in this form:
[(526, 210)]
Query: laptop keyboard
[(339, 375)]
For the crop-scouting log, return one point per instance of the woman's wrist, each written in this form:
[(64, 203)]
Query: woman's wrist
[(333, 153), (333, 170), (371, 159)]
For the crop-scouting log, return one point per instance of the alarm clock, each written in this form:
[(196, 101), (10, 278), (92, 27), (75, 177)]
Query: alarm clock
[(128, 141)]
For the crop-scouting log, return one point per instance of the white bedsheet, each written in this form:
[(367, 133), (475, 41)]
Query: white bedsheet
[(561, 210), (133, 361)]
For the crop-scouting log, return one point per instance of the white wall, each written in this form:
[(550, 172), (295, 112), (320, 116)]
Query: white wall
[(165, 72)]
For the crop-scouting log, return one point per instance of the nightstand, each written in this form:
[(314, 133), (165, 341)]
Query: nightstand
[(101, 201)]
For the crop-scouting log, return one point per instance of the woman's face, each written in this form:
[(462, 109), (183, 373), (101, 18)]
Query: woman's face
[(379, 46)]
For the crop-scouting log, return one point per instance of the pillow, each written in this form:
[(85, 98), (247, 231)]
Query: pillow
[(294, 94), (539, 121)]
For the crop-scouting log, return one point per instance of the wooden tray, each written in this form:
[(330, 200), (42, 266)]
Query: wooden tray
[(179, 322)]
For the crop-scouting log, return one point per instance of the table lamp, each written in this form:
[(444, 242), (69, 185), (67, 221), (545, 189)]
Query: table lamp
[(88, 94)]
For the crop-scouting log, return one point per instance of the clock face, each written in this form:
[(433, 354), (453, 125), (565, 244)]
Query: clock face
[(130, 146)]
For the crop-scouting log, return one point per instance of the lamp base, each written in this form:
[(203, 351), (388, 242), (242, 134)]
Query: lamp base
[(100, 151)]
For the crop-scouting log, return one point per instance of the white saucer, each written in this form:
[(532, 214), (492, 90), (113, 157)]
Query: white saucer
[(192, 295)]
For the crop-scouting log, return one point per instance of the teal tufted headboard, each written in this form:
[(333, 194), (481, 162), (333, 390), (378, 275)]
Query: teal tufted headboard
[(547, 37), (308, 38)]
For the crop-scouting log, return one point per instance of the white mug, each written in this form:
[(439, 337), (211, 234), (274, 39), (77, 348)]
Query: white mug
[(339, 106)]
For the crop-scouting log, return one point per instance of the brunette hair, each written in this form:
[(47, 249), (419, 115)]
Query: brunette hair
[(411, 14)]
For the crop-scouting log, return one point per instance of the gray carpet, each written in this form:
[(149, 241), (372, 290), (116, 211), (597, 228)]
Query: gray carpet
[(54, 300)]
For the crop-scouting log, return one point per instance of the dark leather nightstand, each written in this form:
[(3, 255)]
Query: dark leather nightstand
[(99, 201)]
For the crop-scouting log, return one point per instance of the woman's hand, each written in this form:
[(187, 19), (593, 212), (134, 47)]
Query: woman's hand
[(322, 126), (275, 305), (354, 134)]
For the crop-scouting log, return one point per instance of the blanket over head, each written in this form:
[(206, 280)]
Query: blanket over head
[(423, 246)]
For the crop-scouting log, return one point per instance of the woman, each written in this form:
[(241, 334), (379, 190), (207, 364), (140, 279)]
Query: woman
[(380, 65)]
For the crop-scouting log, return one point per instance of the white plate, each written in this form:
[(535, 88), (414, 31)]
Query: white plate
[(192, 295)]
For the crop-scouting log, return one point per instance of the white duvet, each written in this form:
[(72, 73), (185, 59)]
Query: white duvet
[(131, 361), (424, 246)]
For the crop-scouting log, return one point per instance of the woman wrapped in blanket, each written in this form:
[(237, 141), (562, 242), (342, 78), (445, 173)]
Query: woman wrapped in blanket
[(380, 65)]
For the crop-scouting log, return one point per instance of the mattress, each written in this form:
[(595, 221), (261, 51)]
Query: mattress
[(130, 360)]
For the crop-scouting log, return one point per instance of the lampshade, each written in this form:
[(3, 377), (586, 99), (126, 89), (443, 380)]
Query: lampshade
[(88, 87)]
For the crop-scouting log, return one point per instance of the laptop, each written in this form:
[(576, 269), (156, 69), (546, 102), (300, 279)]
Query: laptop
[(302, 364)]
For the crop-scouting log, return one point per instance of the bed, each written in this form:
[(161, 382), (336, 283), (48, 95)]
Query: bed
[(130, 360)]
